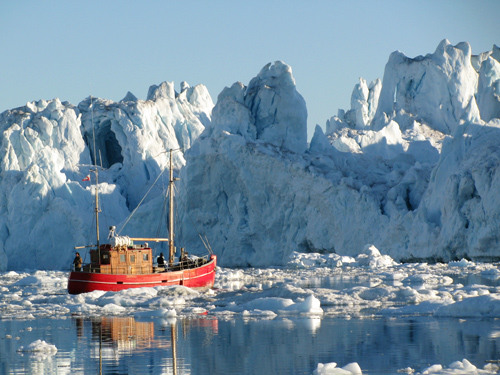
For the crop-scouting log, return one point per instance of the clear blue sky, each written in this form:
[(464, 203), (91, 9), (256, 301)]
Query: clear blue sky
[(70, 49)]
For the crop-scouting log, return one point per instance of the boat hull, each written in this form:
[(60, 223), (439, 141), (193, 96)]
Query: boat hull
[(199, 277)]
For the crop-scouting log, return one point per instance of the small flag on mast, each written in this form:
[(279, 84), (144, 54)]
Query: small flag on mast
[(87, 178)]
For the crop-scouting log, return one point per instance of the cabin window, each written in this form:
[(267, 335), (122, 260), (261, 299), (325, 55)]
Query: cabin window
[(122, 258), (145, 256), (104, 258), (132, 258)]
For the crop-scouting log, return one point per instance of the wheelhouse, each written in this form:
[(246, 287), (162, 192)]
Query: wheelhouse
[(121, 260)]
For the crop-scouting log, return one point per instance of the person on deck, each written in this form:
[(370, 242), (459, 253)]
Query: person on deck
[(77, 262), (160, 260)]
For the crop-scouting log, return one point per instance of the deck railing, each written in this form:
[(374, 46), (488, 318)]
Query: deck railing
[(184, 264), (127, 269)]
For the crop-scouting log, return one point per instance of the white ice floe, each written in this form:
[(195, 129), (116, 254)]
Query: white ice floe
[(332, 369), (463, 367), (275, 305), (371, 257)]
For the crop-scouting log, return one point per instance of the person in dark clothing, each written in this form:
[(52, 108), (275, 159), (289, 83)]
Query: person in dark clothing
[(160, 260), (77, 262)]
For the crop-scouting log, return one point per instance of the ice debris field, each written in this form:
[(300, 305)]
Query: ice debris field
[(314, 285)]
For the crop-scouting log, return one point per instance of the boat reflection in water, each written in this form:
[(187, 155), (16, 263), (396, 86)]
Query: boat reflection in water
[(125, 344)]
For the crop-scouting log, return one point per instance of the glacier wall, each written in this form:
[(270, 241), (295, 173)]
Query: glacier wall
[(411, 167)]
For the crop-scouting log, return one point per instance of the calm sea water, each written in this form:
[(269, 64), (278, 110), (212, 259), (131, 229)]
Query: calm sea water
[(209, 345)]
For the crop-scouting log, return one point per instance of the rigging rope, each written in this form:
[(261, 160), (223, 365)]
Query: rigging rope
[(142, 200), (163, 215)]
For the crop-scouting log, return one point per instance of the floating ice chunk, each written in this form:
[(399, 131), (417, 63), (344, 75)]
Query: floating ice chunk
[(278, 305), (374, 294), (311, 305), (307, 260), (270, 303), (28, 280), (406, 370), (428, 281), (371, 257), (481, 306), (332, 369), (112, 309), (434, 369), (461, 263), (492, 274), (460, 368), (325, 368), (464, 365), (423, 308), (129, 297)]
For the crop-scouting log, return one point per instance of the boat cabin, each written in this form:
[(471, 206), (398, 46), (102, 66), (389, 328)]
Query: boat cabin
[(127, 259)]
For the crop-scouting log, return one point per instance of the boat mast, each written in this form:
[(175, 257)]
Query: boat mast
[(96, 180), (97, 209), (171, 247)]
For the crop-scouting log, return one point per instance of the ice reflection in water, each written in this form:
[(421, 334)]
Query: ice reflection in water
[(207, 345), (340, 282)]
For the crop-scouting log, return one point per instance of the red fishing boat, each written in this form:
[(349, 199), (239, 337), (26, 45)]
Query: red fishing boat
[(127, 262)]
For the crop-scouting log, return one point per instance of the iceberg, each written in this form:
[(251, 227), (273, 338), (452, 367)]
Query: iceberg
[(410, 169), (415, 177)]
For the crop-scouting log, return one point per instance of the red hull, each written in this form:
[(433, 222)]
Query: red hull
[(200, 277)]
